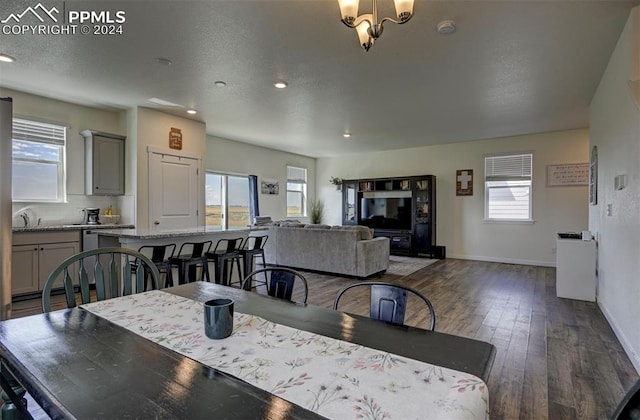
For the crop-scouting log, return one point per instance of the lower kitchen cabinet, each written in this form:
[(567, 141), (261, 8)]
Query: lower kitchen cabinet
[(36, 254)]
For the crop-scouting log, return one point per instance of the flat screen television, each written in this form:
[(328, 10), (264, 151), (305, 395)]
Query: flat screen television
[(386, 212)]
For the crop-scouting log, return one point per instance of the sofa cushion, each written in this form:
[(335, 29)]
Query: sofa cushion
[(317, 226), (364, 232)]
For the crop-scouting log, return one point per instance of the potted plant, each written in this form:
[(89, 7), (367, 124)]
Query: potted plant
[(337, 181), (316, 211)]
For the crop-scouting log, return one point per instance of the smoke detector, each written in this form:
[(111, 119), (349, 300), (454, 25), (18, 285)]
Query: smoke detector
[(446, 27)]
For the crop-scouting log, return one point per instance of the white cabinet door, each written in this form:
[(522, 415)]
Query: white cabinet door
[(24, 269), (104, 160), (173, 192), (50, 256)]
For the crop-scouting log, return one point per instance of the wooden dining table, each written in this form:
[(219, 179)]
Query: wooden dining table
[(76, 364)]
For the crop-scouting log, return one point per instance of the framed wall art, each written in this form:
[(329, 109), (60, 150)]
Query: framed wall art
[(567, 175), (593, 177), (270, 186)]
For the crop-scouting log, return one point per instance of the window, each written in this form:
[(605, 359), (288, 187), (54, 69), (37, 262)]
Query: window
[(508, 187), (227, 201), (38, 170), (296, 192)]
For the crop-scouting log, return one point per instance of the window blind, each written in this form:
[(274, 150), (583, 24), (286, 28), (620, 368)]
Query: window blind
[(296, 175), (508, 167), (39, 132)]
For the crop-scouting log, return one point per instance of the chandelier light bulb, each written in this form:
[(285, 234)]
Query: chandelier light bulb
[(368, 26)]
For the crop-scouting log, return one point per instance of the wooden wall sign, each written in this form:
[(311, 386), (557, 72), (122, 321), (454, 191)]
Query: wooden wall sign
[(569, 174), (464, 182), (175, 138)]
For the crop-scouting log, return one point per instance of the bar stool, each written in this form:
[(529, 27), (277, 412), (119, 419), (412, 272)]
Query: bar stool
[(190, 256), (252, 248), (161, 256), (224, 255)]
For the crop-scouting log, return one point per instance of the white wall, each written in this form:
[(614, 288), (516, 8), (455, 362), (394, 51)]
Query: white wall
[(76, 118), (460, 225), (615, 130), (228, 156), (153, 129)]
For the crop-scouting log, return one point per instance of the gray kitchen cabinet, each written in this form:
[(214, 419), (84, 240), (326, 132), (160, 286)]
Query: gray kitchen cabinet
[(104, 163), (36, 254)]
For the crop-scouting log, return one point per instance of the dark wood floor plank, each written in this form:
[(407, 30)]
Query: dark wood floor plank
[(556, 358)]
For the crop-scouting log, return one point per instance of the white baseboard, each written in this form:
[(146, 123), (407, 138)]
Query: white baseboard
[(502, 260), (628, 349)]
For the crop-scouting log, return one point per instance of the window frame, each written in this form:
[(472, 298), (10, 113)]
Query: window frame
[(303, 193), (225, 198), (42, 132), (511, 174)]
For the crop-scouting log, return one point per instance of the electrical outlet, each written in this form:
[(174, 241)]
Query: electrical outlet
[(553, 250), (609, 209)]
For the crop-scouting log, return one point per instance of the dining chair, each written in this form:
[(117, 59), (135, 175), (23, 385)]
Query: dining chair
[(629, 406), (389, 301), (192, 255), (224, 255), (111, 272), (160, 255), (280, 283)]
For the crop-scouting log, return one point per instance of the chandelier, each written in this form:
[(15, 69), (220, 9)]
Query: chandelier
[(367, 26)]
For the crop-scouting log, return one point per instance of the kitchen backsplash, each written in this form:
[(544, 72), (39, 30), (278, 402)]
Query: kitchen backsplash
[(71, 212)]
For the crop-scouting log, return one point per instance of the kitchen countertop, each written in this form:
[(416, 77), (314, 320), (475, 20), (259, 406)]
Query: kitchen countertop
[(146, 234), (58, 228)]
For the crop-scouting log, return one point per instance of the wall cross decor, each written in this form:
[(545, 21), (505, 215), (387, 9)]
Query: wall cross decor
[(464, 182)]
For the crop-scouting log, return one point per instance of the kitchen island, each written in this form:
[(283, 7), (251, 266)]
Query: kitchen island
[(135, 238)]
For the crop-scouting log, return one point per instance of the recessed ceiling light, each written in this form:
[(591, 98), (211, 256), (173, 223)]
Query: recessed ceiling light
[(192, 111), (164, 61), (163, 102), (219, 83), (6, 58), (280, 84), (346, 135)]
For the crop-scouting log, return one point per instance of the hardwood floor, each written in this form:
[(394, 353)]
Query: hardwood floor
[(556, 358)]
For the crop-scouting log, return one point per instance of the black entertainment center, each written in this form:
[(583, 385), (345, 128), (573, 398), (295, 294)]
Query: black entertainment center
[(401, 209)]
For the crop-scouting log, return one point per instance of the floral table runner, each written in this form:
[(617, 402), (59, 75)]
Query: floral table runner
[(333, 378)]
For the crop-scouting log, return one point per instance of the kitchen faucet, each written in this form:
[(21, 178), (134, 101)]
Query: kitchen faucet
[(25, 218)]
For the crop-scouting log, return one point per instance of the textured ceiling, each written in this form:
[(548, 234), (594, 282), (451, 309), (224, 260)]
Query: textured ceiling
[(512, 67)]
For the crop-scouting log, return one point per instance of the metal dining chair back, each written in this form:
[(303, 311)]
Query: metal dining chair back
[(190, 256), (389, 301), (225, 254), (629, 407), (111, 271), (160, 255), (280, 283), (252, 249)]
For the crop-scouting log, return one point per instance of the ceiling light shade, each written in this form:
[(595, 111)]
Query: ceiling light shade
[(348, 9), (6, 58), (363, 35), (369, 24), (404, 9)]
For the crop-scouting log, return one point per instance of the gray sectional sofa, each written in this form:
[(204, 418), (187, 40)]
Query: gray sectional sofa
[(347, 250)]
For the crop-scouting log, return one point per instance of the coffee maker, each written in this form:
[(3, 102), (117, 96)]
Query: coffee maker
[(92, 217)]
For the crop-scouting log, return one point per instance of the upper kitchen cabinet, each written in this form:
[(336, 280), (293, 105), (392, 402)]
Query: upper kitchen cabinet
[(104, 163)]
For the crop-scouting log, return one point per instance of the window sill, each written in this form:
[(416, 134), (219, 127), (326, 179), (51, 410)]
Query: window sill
[(510, 221)]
